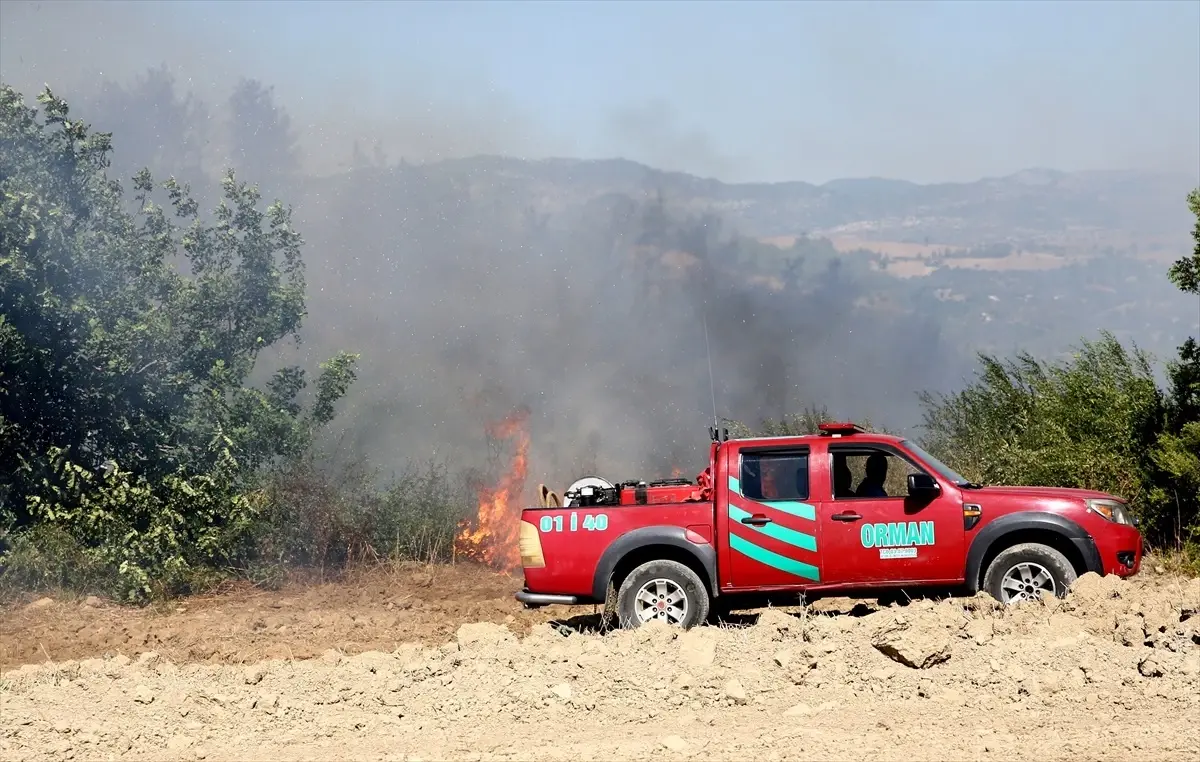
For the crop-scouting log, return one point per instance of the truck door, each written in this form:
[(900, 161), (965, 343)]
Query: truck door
[(770, 524), (873, 531)]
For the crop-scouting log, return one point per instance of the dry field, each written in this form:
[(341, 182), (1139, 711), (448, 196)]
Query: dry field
[(442, 663)]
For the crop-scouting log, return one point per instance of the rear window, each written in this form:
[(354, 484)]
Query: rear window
[(775, 475)]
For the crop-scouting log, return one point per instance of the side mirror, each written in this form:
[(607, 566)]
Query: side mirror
[(922, 485)]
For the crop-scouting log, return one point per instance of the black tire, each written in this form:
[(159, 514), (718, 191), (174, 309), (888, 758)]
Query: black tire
[(684, 579), (1061, 572)]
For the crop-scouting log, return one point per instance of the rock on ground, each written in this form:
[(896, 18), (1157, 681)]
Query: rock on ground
[(826, 686), (916, 647)]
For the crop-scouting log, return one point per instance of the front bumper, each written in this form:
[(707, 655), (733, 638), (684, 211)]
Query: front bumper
[(1130, 560), (536, 600), (1121, 550)]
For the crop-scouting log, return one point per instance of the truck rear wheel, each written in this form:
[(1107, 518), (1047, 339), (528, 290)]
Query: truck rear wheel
[(1028, 571), (666, 591)]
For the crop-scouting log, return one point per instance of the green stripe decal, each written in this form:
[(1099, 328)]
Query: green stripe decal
[(783, 534), (774, 560), (792, 508)]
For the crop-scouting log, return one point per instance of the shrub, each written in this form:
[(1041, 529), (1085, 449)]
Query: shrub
[(322, 517)]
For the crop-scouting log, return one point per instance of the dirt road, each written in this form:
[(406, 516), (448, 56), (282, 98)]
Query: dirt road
[(1113, 671)]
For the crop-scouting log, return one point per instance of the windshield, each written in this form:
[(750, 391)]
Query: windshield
[(943, 470)]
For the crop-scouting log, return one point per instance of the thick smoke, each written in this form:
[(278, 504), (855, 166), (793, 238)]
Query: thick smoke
[(594, 318)]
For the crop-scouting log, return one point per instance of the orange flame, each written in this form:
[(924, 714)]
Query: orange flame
[(676, 472), (494, 534)]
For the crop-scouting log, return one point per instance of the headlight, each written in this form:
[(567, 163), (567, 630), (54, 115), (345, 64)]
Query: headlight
[(1110, 509)]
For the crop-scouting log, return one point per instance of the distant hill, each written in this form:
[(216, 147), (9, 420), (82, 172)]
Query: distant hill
[(1037, 209)]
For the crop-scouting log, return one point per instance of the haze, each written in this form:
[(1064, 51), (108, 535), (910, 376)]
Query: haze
[(738, 91), (473, 285)]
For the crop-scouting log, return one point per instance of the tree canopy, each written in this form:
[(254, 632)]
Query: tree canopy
[(128, 336)]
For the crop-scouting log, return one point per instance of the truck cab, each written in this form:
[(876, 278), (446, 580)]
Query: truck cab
[(844, 511)]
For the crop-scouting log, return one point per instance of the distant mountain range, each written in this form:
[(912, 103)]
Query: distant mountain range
[(1067, 213)]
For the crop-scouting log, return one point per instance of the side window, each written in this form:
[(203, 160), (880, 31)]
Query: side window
[(869, 472), (775, 475)]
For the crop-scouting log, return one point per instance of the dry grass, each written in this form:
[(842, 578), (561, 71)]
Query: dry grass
[(1182, 562), (896, 249)]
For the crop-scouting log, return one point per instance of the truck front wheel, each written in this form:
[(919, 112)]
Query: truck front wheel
[(666, 591), (1028, 571)]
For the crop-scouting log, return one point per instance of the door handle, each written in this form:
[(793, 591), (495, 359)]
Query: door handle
[(757, 520), (846, 516)]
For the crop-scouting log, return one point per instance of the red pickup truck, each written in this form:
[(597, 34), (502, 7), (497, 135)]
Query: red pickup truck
[(844, 511)]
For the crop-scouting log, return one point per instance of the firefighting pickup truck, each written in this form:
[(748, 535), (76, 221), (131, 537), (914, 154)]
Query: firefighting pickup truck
[(844, 511)]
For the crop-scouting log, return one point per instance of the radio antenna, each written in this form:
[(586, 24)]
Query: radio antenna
[(711, 386)]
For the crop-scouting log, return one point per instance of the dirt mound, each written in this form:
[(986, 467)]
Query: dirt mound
[(1112, 670)]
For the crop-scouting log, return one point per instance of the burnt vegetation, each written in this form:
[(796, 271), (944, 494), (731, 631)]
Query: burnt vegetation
[(163, 426)]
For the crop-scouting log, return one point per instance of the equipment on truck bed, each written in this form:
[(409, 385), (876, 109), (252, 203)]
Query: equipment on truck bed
[(593, 491)]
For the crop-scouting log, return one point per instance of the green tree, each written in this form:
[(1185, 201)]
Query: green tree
[(126, 343), (1185, 272), (1178, 450), (1084, 422)]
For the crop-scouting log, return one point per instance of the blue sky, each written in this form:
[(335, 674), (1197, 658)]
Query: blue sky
[(740, 91)]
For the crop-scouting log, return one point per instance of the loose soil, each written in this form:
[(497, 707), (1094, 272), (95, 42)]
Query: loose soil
[(372, 610), (1111, 671)]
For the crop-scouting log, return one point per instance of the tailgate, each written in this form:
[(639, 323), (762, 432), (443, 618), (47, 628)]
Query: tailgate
[(562, 549)]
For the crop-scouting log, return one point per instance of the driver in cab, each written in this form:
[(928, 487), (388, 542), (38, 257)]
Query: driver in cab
[(872, 483)]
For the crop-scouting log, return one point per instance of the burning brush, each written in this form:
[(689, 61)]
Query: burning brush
[(492, 537)]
